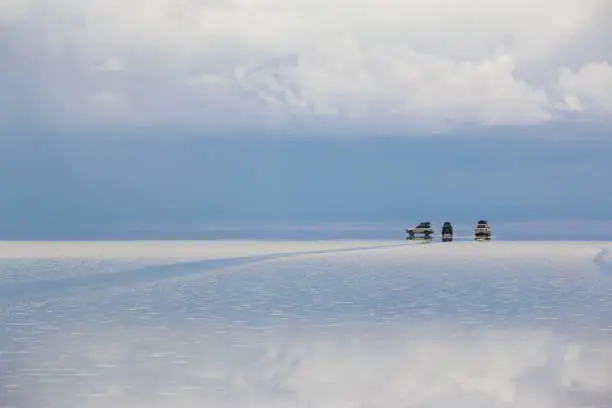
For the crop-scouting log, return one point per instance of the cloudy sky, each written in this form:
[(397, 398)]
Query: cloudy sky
[(169, 99), (229, 64)]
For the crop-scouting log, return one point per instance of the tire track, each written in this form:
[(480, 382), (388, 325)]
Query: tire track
[(58, 287)]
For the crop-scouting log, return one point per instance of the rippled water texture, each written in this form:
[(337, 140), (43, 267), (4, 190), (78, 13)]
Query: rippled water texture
[(306, 324)]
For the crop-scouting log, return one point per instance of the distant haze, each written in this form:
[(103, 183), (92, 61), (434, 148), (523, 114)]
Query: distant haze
[(53, 187)]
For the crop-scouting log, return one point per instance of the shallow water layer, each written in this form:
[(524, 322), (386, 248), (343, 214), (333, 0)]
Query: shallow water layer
[(336, 324)]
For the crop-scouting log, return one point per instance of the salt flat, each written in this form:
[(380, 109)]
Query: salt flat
[(212, 249), (306, 324)]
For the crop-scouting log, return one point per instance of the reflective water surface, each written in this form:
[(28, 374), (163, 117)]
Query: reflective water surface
[(306, 324)]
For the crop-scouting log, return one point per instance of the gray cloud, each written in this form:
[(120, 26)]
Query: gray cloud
[(271, 64)]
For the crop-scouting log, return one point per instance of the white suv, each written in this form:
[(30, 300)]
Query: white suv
[(482, 230), (423, 228)]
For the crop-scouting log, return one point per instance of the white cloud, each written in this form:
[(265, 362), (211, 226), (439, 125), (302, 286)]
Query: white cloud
[(231, 64), (11, 10), (590, 86), (333, 366)]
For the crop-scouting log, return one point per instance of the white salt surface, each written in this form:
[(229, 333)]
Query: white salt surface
[(306, 324), (213, 249)]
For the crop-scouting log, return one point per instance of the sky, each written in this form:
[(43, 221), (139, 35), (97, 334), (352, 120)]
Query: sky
[(173, 114)]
